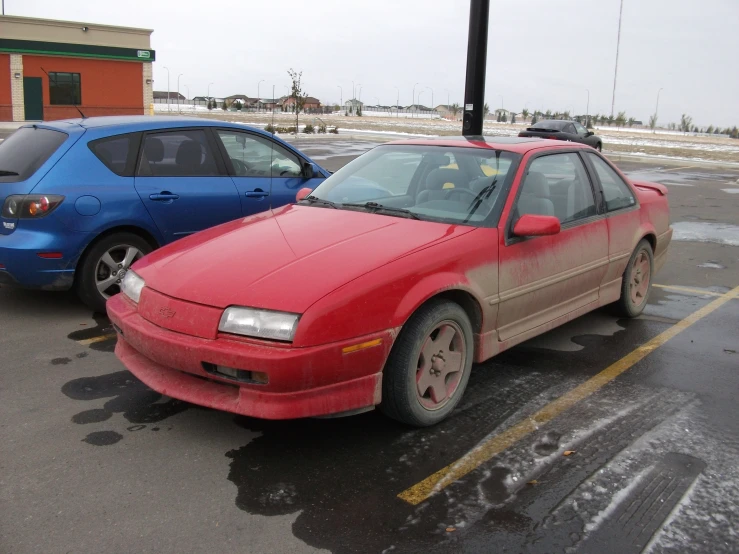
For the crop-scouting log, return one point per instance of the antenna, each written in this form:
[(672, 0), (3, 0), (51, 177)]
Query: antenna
[(57, 84)]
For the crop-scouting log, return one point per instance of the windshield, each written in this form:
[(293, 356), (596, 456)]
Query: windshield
[(434, 183)]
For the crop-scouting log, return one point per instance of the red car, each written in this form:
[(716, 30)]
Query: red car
[(387, 282)]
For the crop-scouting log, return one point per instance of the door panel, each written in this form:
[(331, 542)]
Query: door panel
[(543, 278), (265, 174), (180, 184), (33, 99)]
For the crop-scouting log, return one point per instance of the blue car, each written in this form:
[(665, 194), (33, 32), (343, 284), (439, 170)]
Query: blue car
[(83, 199)]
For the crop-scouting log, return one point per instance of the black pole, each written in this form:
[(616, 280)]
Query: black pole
[(474, 88)]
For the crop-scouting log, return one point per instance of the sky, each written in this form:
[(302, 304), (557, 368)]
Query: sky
[(542, 54)]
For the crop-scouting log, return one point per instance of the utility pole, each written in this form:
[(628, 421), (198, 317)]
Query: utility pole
[(208, 95), (397, 103), (259, 98), (341, 96), (587, 110), (618, 44), (413, 101), (432, 97), (477, 48), (656, 109)]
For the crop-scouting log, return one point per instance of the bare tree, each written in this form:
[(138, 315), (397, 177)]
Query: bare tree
[(652, 121), (297, 94), (620, 119), (686, 123)]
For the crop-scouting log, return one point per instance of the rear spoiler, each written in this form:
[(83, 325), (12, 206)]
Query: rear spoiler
[(651, 186)]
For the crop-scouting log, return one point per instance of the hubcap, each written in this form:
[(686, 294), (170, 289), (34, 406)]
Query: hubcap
[(440, 365), (639, 280), (112, 268)]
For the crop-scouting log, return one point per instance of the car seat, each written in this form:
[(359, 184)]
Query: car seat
[(189, 157), (535, 196), (435, 184)]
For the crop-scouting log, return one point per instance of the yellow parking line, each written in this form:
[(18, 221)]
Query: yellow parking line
[(93, 340), (689, 289), (498, 443)]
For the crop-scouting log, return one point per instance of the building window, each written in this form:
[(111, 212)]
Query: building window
[(65, 89)]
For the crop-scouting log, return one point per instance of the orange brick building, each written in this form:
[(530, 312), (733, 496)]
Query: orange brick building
[(48, 67)]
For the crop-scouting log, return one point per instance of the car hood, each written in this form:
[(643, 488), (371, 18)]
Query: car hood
[(287, 259)]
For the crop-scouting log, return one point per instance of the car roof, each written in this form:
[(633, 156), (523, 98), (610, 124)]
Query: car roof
[(520, 145), (130, 123)]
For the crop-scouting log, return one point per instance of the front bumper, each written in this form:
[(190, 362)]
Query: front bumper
[(303, 382)]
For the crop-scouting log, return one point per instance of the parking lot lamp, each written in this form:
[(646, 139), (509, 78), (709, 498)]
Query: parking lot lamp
[(656, 109), (341, 97), (259, 98), (167, 87), (397, 103), (208, 95), (178, 91)]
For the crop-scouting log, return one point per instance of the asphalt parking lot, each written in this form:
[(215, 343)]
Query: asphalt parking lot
[(604, 435)]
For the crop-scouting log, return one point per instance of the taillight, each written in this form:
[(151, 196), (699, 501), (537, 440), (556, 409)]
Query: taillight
[(30, 206)]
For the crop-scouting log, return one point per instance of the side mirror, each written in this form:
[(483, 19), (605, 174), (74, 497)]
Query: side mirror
[(589, 134), (530, 225), (309, 170), (302, 193)]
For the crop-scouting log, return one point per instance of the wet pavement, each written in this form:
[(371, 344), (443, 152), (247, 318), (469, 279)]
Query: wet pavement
[(94, 461)]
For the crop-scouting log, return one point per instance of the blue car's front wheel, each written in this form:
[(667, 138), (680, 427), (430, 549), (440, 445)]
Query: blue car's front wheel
[(103, 267)]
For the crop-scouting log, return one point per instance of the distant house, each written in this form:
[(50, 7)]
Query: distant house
[(268, 104), (173, 96), (353, 106), (446, 111), (419, 108), (311, 104), (242, 99)]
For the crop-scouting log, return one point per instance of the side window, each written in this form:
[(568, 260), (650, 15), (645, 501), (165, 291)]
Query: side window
[(255, 156), (557, 185), (582, 131), (617, 193), (177, 154), (570, 128), (117, 153)]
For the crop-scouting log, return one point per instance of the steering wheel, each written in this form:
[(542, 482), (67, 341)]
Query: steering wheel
[(468, 192), (241, 167)]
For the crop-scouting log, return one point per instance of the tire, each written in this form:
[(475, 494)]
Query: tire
[(426, 332), (635, 288), (93, 272)]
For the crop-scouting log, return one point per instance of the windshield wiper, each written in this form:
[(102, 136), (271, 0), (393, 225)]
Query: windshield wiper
[(6, 173), (486, 191), (315, 200), (374, 207)]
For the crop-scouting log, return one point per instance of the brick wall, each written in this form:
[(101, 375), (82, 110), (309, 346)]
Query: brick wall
[(16, 87)]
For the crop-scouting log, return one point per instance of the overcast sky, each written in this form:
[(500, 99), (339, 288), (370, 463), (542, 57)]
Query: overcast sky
[(542, 54)]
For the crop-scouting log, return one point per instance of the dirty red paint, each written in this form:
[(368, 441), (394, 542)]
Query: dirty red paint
[(354, 277)]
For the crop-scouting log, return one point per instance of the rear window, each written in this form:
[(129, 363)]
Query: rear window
[(117, 153), (552, 125), (23, 152)]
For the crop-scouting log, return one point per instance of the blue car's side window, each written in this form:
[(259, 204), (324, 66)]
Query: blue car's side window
[(178, 153), (255, 156)]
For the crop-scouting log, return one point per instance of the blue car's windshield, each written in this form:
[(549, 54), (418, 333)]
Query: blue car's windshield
[(452, 184)]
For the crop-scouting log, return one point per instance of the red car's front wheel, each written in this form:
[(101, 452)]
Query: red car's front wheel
[(429, 366)]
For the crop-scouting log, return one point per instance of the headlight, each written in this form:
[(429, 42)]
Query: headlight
[(259, 323), (131, 285)]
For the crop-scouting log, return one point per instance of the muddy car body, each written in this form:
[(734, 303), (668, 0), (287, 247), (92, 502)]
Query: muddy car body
[(385, 284)]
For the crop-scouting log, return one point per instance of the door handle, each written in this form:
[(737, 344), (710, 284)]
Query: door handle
[(164, 196), (256, 193)]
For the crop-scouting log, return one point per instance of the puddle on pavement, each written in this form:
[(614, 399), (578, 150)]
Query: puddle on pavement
[(731, 191), (125, 394), (719, 233)]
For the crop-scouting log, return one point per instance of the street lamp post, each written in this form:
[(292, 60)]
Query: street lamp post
[(420, 92), (587, 110), (656, 110), (188, 91), (432, 97), (341, 97), (259, 98), (413, 101), (208, 95), (178, 91), (618, 44), (167, 87), (397, 102)]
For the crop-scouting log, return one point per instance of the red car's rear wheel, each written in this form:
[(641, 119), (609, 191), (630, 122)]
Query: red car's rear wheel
[(637, 281), (429, 366)]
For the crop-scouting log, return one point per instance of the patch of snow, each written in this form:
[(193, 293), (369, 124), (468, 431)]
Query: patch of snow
[(695, 231), (617, 499), (731, 191), (711, 265)]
